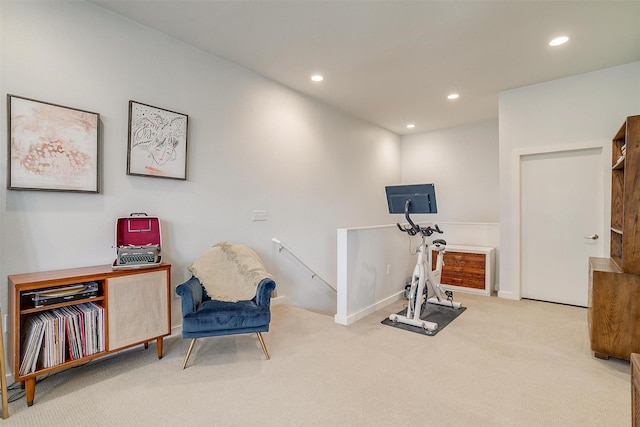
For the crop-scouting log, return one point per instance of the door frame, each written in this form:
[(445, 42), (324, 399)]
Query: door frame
[(516, 202)]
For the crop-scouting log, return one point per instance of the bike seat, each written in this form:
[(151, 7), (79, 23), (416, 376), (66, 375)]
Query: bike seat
[(439, 242)]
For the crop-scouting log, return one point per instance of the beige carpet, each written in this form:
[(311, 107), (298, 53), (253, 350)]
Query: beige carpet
[(501, 363)]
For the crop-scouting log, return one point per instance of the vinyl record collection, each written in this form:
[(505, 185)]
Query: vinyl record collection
[(55, 336)]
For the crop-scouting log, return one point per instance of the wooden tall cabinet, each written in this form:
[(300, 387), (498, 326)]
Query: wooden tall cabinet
[(625, 197), (614, 283), (132, 307)]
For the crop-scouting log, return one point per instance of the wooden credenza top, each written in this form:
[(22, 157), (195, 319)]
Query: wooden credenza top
[(70, 275), (604, 264)]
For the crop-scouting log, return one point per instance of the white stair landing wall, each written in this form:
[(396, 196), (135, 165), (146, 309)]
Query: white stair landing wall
[(374, 263)]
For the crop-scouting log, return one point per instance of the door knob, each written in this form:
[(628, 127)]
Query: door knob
[(592, 237)]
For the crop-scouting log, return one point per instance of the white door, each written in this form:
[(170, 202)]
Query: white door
[(561, 215)]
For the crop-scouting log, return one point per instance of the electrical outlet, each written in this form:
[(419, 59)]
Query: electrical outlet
[(259, 215), (388, 269)]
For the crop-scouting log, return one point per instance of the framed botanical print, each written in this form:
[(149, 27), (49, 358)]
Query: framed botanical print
[(52, 147), (157, 142)]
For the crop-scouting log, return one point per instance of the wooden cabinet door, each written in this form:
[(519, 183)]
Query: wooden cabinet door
[(464, 269), (467, 268), (137, 308)]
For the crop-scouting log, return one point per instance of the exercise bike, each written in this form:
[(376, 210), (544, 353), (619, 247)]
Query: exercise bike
[(424, 277)]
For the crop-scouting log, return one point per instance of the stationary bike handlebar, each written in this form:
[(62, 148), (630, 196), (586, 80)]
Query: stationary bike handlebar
[(413, 228)]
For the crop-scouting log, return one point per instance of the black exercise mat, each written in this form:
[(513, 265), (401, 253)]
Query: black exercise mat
[(435, 313)]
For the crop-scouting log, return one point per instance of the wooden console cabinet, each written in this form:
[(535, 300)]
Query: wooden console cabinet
[(135, 307), (614, 310), (468, 269), (614, 283)]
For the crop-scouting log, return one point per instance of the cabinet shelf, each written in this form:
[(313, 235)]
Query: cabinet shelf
[(65, 365), (619, 164), (64, 304)]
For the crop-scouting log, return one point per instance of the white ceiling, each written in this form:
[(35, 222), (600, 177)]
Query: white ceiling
[(394, 62)]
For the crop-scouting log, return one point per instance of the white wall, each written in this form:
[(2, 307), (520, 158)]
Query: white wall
[(583, 110), (374, 264), (253, 144), (462, 162)]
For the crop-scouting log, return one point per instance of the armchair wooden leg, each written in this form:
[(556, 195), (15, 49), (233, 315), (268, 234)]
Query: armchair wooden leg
[(193, 341), (264, 347)]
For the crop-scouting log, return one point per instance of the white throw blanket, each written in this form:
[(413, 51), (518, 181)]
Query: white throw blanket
[(229, 272)]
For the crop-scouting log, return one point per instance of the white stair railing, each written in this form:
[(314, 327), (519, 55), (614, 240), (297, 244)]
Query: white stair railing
[(294, 255)]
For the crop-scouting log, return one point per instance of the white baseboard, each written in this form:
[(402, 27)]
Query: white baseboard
[(351, 318), (507, 295)]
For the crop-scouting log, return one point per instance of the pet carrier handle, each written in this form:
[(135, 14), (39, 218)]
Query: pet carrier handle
[(138, 214)]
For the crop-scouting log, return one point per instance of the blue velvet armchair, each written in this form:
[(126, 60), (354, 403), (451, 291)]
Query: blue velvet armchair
[(206, 317)]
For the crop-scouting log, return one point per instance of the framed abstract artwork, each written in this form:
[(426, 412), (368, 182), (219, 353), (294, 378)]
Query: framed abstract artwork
[(157, 142), (51, 147)]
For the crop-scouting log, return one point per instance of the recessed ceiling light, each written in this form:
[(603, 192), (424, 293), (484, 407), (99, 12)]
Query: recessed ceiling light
[(410, 126), (317, 78), (558, 41), (453, 96)]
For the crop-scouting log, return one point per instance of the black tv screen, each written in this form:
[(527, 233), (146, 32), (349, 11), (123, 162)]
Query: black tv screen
[(422, 198)]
